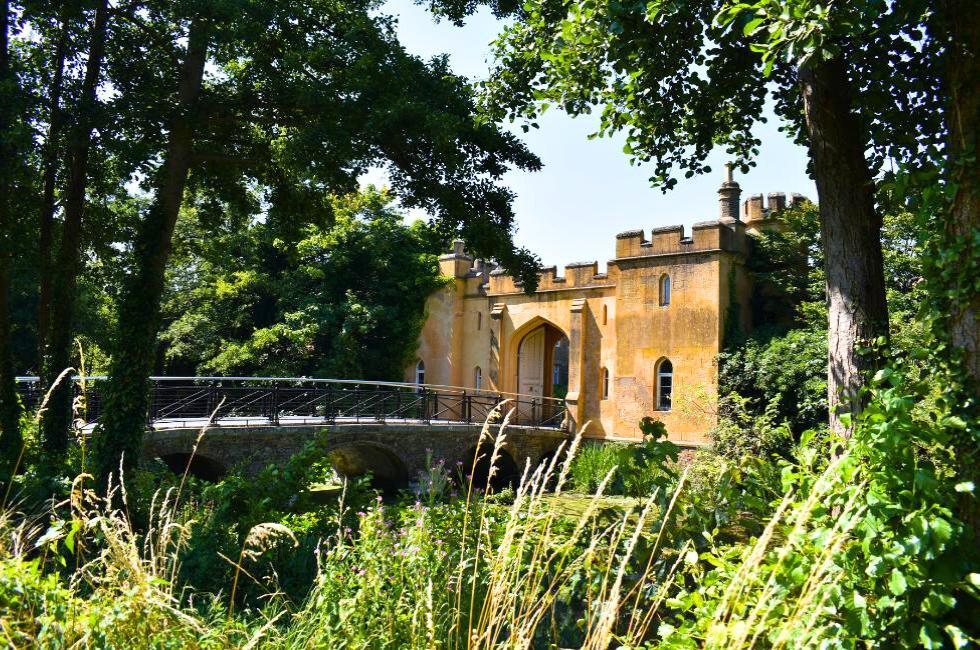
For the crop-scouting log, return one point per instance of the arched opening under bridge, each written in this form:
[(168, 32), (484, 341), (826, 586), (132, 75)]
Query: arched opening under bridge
[(506, 474), (386, 468), (202, 467)]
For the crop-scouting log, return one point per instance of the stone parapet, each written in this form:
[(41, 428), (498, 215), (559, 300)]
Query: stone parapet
[(577, 275), (670, 240)]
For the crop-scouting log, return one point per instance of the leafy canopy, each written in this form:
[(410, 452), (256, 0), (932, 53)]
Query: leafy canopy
[(345, 300)]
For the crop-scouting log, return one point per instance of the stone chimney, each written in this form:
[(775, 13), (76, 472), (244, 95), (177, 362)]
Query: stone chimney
[(728, 197)]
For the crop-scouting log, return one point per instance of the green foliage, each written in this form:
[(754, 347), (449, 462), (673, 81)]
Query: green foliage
[(399, 573), (342, 300), (864, 548), (778, 372), (641, 468), (741, 432), (781, 376), (787, 268)]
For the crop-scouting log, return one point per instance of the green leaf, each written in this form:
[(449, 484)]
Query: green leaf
[(751, 26), (965, 486), (957, 636), (930, 636), (897, 583)]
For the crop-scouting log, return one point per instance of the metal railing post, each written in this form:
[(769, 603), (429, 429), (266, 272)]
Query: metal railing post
[(274, 415), (151, 412), (212, 399)]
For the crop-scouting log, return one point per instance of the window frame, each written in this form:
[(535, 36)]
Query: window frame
[(420, 373), (665, 290), (659, 403)]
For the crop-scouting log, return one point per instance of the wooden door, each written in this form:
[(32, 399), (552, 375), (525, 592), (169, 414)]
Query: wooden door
[(530, 374)]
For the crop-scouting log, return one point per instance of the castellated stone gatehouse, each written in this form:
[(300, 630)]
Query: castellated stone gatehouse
[(640, 340)]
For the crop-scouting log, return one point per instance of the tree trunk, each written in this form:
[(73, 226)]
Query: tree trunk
[(120, 434), (850, 230), (46, 217), (10, 437), (961, 22), (963, 147), (57, 418)]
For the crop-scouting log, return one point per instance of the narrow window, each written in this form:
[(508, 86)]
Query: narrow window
[(420, 373), (479, 321), (664, 290), (665, 384), (604, 387), (478, 378), (605, 314)]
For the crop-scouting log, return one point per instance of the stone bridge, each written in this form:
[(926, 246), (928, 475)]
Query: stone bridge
[(393, 453), (389, 429)]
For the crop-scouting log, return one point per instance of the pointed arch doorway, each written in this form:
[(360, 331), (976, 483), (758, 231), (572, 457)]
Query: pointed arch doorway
[(542, 370)]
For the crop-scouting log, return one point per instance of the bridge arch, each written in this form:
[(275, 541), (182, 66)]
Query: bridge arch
[(508, 473), (197, 465), (353, 458)]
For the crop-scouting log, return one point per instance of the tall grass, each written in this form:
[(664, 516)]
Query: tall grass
[(475, 574)]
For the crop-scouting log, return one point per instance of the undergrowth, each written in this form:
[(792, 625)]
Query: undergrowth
[(834, 544)]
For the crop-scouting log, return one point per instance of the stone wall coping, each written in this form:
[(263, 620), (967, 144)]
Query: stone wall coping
[(629, 234), (654, 256), (587, 287), (666, 229)]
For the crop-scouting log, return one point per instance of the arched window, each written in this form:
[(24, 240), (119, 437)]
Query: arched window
[(664, 290), (479, 320), (605, 314), (478, 378), (420, 373), (665, 384), (604, 383)]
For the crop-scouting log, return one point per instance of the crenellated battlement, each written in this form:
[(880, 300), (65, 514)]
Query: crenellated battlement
[(753, 209), (727, 234), (576, 275), (671, 240)]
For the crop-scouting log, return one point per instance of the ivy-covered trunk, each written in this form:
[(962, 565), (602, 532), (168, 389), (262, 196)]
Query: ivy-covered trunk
[(46, 215), (10, 437), (120, 434), (959, 263), (963, 150), (64, 285), (850, 228)]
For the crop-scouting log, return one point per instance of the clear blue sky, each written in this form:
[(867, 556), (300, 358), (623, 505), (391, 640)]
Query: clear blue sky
[(587, 192)]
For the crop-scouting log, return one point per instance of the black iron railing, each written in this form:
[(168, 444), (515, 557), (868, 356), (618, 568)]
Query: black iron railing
[(293, 400)]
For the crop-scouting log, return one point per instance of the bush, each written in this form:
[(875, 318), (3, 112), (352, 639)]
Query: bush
[(641, 467), (741, 433), (782, 375)]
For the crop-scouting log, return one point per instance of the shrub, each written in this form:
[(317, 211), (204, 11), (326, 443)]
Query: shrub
[(642, 467)]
